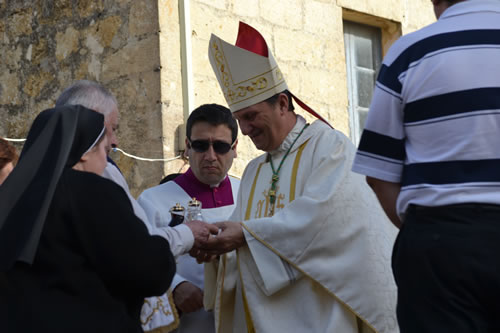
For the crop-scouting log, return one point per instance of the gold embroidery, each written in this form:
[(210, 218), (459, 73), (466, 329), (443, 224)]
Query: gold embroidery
[(219, 59), (258, 86), (278, 74), (252, 192), (266, 195), (293, 180), (224, 263), (246, 308), (258, 211), (158, 308), (260, 205), (268, 208), (279, 203)]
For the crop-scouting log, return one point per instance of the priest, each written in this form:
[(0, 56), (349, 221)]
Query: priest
[(211, 142), (308, 247)]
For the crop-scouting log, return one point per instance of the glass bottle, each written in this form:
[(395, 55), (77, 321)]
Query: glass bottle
[(177, 215), (194, 211)]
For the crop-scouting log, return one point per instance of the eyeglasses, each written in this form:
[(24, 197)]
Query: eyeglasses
[(220, 147)]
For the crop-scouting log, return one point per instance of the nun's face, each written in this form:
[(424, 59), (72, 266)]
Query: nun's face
[(5, 171), (95, 160)]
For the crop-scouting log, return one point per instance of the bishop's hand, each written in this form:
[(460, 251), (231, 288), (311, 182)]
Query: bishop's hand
[(229, 238)]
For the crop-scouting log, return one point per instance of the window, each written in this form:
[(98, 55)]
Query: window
[(363, 58)]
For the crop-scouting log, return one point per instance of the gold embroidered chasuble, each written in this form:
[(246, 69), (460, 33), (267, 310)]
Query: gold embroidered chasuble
[(321, 263)]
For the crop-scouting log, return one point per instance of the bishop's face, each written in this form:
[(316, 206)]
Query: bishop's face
[(262, 123)]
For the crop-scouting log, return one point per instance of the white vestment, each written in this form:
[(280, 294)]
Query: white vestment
[(180, 238), (321, 263), (157, 202)]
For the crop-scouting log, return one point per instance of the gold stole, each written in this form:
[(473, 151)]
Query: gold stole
[(263, 205)]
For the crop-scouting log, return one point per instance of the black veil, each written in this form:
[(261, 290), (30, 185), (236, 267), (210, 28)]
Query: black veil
[(57, 139)]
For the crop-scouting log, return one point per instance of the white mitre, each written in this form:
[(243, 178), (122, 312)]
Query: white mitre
[(247, 72)]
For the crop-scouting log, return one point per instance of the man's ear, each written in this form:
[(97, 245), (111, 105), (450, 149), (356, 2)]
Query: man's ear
[(283, 102), (188, 146), (234, 148)]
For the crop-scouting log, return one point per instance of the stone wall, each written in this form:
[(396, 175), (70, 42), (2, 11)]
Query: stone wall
[(171, 84), (306, 38), (134, 47), (48, 44)]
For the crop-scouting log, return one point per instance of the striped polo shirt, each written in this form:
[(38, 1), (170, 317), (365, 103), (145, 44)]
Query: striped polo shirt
[(434, 120)]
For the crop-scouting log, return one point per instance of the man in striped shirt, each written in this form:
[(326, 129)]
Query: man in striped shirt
[(430, 152)]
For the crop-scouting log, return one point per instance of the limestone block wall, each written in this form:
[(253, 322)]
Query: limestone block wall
[(171, 85), (134, 49), (46, 45), (306, 38)]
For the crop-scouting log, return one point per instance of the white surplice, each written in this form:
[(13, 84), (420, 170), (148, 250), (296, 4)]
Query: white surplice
[(180, 238), (157, 202), (322, 262)]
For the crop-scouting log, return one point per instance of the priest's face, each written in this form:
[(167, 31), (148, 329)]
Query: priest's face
[(263, 123), (111, 123), (207, 153)]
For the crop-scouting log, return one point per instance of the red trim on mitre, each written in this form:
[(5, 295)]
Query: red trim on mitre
[(251, 40)]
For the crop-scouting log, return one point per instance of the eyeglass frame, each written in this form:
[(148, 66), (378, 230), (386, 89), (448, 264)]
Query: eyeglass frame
[(211, 143)]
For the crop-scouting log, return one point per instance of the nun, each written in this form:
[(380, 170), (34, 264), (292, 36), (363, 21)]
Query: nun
[(73, 255)]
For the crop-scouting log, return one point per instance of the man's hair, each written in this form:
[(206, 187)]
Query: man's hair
[(215, 115), (8, 153), (89, 94), (274, 99)]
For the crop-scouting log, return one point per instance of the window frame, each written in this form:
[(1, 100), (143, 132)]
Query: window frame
[(353, 30)]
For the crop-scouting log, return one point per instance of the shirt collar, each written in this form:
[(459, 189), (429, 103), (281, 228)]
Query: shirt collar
[(471, 6), (210, 196), (290, 138)]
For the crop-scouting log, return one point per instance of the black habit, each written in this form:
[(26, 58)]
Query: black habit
[(93, 261)]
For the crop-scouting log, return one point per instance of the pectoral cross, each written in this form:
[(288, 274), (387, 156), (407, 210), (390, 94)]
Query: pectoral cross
[(272, 191)]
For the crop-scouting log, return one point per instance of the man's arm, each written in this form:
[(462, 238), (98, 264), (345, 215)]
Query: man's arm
[(387, 194), (181, 238)]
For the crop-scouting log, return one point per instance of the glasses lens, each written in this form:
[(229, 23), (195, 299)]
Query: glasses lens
[(200, 146), (221, 147)]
